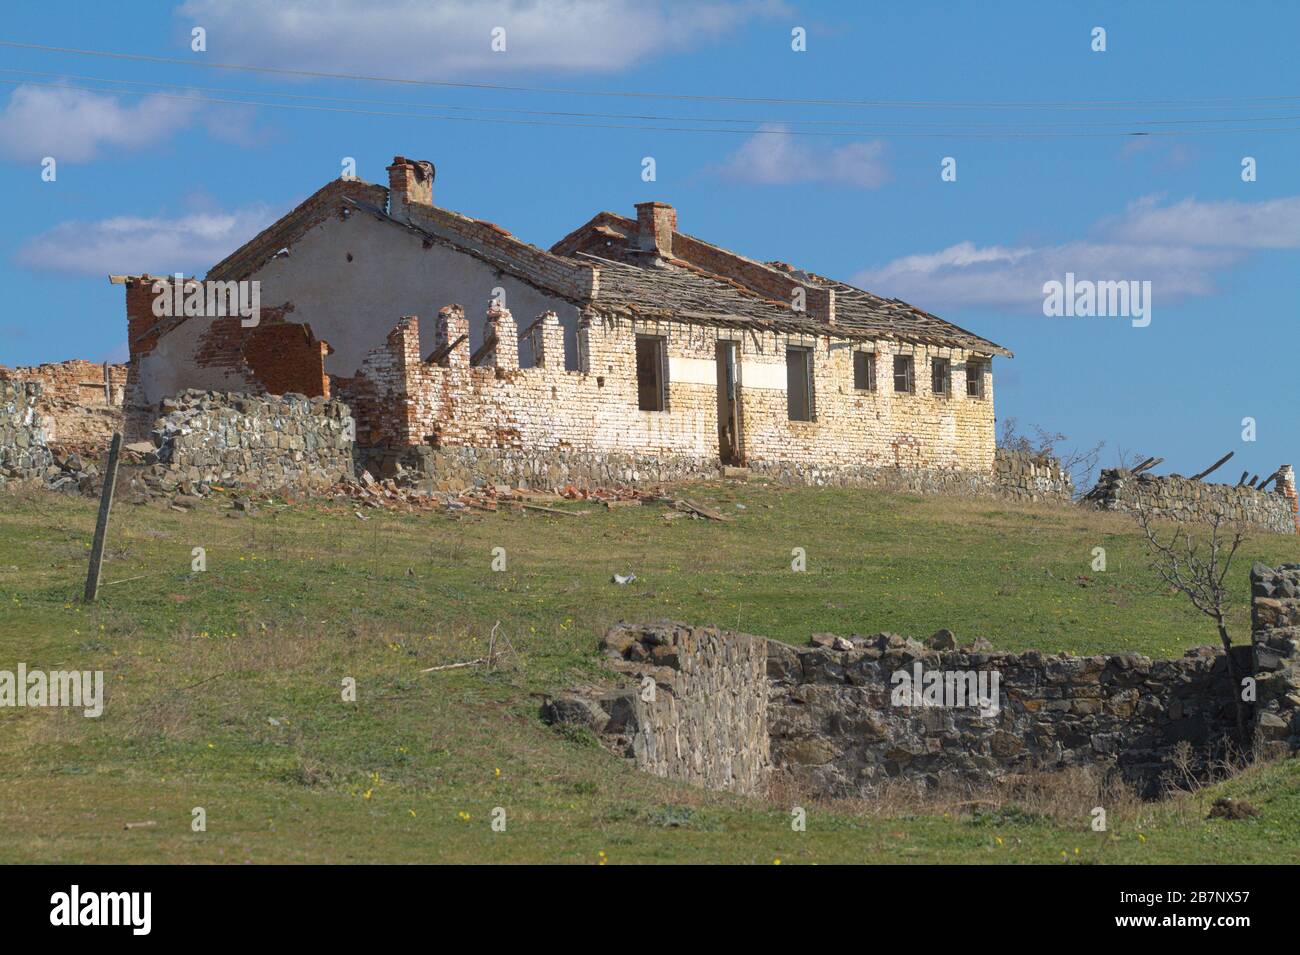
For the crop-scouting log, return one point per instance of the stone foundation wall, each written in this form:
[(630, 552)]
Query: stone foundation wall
[(458, 468), (692, 705), (1038, 480), (1177, 498), (262, 442), (24, 432), (1016, 476), (842, 722)]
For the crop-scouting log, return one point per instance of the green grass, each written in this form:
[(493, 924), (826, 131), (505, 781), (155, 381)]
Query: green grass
[(224, 687)]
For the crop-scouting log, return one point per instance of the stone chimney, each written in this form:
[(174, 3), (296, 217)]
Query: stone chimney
[(655, 224), (409, 181)]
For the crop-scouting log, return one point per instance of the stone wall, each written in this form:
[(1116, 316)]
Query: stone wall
[(458, 468), (841, 722), (1275, 637), (1016, 475), (80, 400), (1024, 476), (691, 706), (455, 468), (1177, 498), (844, 715), (24, 432), (262, 442)]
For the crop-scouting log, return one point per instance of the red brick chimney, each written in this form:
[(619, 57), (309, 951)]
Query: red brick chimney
[(655, 224), (409, 181), (1286, 487)]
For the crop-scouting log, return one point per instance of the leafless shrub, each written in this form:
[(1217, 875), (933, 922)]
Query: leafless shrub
[(1197, 569), (1079, 463)]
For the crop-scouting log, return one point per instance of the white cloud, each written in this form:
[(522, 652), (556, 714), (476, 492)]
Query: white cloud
[(1271, 224), (190, 243), (417, 39), (775, 157), (76, 125), (1176, 247)]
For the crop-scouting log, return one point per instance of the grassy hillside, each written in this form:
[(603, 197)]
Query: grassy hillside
[(224, 686)]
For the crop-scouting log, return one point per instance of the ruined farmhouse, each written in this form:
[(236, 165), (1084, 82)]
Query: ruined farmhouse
[(628, 339)]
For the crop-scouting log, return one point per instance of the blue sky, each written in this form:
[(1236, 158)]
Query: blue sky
[(155, 177)]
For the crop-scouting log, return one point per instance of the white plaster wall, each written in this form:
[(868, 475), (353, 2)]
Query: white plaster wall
[(354, 305)]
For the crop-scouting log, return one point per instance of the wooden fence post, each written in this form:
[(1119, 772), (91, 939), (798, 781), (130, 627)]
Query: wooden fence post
[(101, 526)]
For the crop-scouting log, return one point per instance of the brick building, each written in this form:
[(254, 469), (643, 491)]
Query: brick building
[(627, 337)]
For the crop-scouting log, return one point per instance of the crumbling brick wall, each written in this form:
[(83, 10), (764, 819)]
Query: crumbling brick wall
[(24, 432), (80, 400), (403, 399)]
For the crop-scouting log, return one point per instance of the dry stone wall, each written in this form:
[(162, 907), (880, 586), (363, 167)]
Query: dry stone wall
[(1275, 636), (845, 715), (253, 441), (843, 721), (1024, 476), (691, 706), (1179, 499)]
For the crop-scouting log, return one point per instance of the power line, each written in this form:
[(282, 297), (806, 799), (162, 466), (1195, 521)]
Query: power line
[(1201, 103), (153, 86), (676, 129)]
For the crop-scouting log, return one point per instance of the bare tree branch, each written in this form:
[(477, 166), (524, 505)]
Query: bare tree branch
[(1198, 572)]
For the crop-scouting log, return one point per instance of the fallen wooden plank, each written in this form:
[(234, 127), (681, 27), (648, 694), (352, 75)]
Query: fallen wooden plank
[(1146, 465), (552, 510), (457, 666), (1213, 467), (704, 511)]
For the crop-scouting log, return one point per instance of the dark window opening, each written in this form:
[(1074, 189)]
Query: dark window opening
[(975, 378), (864, 371), (940, 376), (799, 383), (903, 380), (651, 380)]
